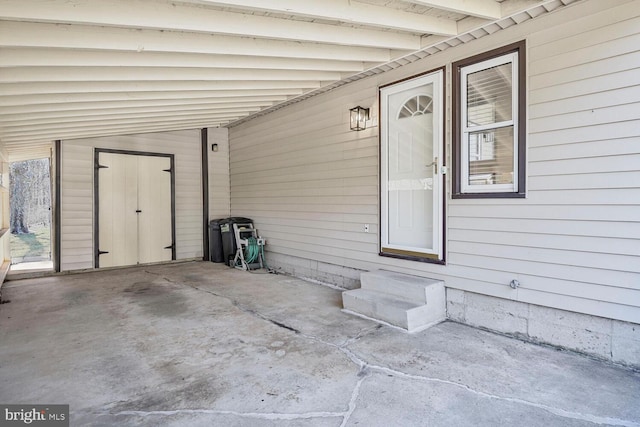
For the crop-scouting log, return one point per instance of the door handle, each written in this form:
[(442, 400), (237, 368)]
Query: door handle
[(435, 166)]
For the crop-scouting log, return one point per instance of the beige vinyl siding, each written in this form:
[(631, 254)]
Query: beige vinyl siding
[(219, 193), (308, 182), (311, 184), (77, 191), (76, 216)]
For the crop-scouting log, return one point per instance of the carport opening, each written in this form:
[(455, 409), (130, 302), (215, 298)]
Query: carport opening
[(30, 214)]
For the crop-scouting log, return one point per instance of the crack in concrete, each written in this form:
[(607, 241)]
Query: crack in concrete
[(254, 415), (359, 335), (556, 411), (355, 394), (364, 373), (282, 325)]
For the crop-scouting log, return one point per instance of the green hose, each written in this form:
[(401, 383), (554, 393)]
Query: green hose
[(252, 251)]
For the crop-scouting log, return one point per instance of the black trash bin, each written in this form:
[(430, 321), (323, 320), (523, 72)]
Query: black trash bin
[(228, 239), (216, 254)]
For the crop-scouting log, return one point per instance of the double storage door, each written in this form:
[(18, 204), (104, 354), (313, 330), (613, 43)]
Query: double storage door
[(134, 209)]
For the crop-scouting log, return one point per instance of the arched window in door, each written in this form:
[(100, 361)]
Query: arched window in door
[(416, 106)]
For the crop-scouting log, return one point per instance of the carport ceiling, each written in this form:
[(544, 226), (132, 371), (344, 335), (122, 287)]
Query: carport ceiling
[(83, 68)]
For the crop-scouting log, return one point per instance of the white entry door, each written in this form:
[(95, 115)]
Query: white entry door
[(411, 164), (134, 218)]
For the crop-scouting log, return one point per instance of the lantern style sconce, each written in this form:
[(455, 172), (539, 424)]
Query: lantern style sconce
[(359, 117)]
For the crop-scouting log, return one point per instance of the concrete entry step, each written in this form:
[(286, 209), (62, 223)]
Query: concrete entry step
[(409, 302), (402, 285)]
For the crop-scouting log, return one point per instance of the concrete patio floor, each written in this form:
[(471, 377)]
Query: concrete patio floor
[(199, 344)]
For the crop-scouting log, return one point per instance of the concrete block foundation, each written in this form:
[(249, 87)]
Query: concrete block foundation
[(315, 271), (605, 339)]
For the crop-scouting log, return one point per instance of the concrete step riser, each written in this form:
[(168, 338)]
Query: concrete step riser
[(408, 287), (422, 316), (375, 310), (411, 320)]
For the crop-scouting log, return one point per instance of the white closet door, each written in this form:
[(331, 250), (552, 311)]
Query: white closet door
[(154, 202), (134, 209), (117, 198)]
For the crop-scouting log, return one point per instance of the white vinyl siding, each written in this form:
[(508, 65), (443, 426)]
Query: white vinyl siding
[(77, 191), (219, 197), (311, 184), (309, 189)]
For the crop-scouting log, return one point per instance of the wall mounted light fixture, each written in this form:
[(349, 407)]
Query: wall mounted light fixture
[(214, 147), (359, 117)]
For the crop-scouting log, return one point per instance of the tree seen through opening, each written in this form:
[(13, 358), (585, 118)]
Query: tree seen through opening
[(30, 218)]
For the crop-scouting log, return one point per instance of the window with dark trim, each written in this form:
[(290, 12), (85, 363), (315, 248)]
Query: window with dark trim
[(489, 126)]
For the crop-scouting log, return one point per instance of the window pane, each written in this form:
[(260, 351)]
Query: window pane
[(489, 97), (491, 156)]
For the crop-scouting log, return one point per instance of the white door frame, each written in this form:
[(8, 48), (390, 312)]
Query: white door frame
[(386, 249)]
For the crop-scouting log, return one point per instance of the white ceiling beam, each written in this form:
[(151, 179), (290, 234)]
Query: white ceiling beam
[(120, 119), (431, 40), (144, 86), (106, 106), (46, 35), (52, 57), (126, 74), (118, 129), (59, 115), (191, 18), (98, 97), (123, 118), (487, 9), (111, 130), (346, 11), (15, 144)]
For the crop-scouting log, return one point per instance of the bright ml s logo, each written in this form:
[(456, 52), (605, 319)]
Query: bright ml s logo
[(34, 415)]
